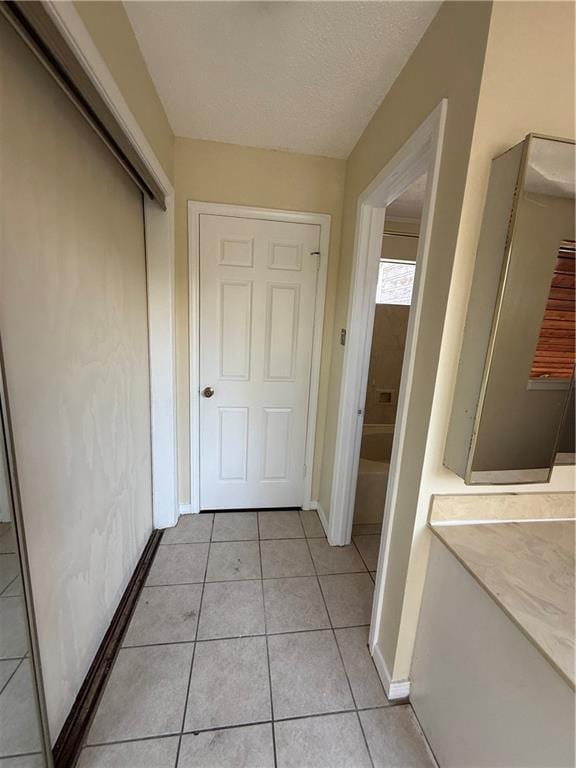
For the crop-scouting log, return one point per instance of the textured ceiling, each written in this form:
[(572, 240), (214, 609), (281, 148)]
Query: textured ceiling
[(410, 203), (299, 76)]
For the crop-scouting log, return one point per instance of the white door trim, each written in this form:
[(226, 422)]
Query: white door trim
[(420, 154), (195, 209), (160, 259)]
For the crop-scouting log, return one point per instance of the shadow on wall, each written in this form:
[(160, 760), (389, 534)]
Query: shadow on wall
[(385, 372)]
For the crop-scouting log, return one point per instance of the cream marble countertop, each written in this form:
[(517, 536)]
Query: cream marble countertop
[(528, 568)]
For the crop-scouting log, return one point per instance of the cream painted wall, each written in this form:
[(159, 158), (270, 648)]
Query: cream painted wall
[(447, 63), (112, 33), (74, 331), (225, 173), (528, 85)]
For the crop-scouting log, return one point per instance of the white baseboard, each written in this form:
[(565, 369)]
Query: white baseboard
[(394, 689), (322, 515), (186, 509), (311, 504)]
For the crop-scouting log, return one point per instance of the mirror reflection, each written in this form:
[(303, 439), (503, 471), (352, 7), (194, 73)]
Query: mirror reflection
[(513, 415), (20, 730)]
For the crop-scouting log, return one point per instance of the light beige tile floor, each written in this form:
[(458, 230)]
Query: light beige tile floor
[(248, 649)]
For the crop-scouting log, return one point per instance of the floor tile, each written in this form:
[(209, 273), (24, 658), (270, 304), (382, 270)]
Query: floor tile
[(278, 524), (145, 694), (234, 560), (369, 548), (18, 720), (7, 538), (328, 559), (178, 564), (24, 761), (366, 528), (348, 598), (7, 669), (395, 739), (235, 526), (366, 685), (286, 558), (8, 570), (165, 615), (229, 684), (14, 588), (250, 746), (231, 609), (150, 753), (307, 675), (294, 604), (330, 741), (13, 631), (191, 529), (313, 528)]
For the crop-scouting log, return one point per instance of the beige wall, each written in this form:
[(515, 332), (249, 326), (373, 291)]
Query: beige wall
[(112, 33), (447, 63), (74, 332), (225, 173), (528, 85)]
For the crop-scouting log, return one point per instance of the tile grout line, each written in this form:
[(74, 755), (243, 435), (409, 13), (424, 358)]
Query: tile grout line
[(193, 652), (249, 724), (243, 637), (7, 587), (267, 645), (17, 667)]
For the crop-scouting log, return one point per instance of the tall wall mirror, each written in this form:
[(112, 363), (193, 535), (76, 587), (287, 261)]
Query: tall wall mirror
[(24, 741), (513, 411)]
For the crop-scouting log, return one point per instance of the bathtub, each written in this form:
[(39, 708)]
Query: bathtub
[(375, 452)]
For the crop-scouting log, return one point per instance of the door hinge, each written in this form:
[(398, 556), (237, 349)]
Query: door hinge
[(317, 254), (343, 337)]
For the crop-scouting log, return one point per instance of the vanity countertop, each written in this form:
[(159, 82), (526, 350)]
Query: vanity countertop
[(528, 568)]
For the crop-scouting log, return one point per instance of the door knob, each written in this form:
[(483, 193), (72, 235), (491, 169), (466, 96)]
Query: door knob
[(208, 391)]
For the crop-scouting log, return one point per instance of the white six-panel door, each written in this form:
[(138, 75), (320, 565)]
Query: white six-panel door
[(257, 303)]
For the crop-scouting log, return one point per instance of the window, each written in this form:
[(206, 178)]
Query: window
[(395, 282)]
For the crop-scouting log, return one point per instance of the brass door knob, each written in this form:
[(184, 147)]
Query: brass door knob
[(208, 391)]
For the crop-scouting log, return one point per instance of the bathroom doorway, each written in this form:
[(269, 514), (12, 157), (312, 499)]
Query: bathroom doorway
[(396, 273)]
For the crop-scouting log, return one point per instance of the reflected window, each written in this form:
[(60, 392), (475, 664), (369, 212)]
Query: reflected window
[(395, 282)]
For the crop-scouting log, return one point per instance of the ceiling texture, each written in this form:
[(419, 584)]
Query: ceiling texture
[(297, 76)]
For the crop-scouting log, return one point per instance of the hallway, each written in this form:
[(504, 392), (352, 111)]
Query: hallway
[(248, 648)]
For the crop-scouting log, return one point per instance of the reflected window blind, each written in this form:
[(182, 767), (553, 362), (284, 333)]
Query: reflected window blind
[(555, 351)]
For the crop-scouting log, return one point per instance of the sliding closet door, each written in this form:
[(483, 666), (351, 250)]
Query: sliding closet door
[(73, 320)]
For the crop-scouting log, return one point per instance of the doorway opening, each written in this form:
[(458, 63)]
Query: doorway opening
[(392, 306), (419, 157)]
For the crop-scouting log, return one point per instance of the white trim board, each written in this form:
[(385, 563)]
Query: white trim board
[(420, 154), (394, 689), (160, 259), (323, 220)]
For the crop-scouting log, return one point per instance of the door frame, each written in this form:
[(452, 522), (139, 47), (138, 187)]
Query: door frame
[(420, 154), (323, 220)]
